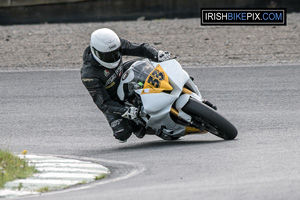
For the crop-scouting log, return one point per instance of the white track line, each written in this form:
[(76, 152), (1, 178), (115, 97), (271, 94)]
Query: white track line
[(72, 165), (53, 175), (71, 170), (49, 182)]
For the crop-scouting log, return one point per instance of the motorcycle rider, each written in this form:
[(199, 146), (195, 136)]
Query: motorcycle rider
[(101, 72)]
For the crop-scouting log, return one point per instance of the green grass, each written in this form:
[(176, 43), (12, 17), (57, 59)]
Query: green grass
[(13, 167), (100, 177), (43, 189), (81, 183)]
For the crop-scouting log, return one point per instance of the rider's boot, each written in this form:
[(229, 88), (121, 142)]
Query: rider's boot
[(140, 132), (164, 133)]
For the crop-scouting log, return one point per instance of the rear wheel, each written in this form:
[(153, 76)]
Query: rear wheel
[(206, 118)]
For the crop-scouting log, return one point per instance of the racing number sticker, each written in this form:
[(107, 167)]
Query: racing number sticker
[(155, 78), (157, 81)]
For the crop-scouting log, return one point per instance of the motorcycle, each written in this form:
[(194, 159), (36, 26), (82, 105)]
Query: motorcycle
[(170, 104)]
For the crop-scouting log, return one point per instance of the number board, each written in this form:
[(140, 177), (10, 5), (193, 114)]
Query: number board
[(157, 81)]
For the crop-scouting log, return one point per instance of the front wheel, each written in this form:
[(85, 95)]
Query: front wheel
[(205, 117)]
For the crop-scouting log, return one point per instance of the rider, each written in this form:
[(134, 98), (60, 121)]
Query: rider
[(101, 72)]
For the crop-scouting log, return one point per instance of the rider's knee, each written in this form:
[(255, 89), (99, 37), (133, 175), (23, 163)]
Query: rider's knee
[(122, 134), (121, 128)]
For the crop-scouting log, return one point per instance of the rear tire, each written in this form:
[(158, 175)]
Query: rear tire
[(225, 129)]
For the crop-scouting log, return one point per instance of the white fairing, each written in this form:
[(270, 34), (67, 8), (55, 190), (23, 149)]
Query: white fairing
[(158, 105), (177, 78), (128, 79)]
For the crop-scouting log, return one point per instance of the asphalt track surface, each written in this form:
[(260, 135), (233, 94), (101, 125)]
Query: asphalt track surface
[(50, 112)]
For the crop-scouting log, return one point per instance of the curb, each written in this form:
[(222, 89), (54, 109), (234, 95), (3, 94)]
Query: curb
[(54, 173)]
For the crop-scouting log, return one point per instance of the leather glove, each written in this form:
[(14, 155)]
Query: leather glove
[(163, 56), (131, 113)]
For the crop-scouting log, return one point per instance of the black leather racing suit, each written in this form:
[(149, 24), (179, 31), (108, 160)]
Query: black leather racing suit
[(102, 84)]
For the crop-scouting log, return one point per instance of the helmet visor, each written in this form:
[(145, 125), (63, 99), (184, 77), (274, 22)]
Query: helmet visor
[(108, 57)]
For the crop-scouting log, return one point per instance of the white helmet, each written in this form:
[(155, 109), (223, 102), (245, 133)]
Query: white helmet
[(105, 47)]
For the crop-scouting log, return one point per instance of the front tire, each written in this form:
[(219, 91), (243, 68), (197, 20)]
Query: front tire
[(210, 118)]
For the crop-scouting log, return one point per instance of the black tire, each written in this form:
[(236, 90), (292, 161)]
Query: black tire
[(225, 129)]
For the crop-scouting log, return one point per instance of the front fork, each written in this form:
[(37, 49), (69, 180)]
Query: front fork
[(189, 129)]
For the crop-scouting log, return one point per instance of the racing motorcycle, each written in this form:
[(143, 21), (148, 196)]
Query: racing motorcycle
[(170, 104)]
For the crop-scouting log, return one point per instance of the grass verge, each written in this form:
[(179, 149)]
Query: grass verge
[(101, 176), (43, 189), (13, 167)]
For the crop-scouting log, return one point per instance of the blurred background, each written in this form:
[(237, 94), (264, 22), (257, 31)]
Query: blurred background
[(63, 11)]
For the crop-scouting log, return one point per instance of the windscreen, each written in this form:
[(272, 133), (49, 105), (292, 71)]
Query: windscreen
[(141, 70)]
